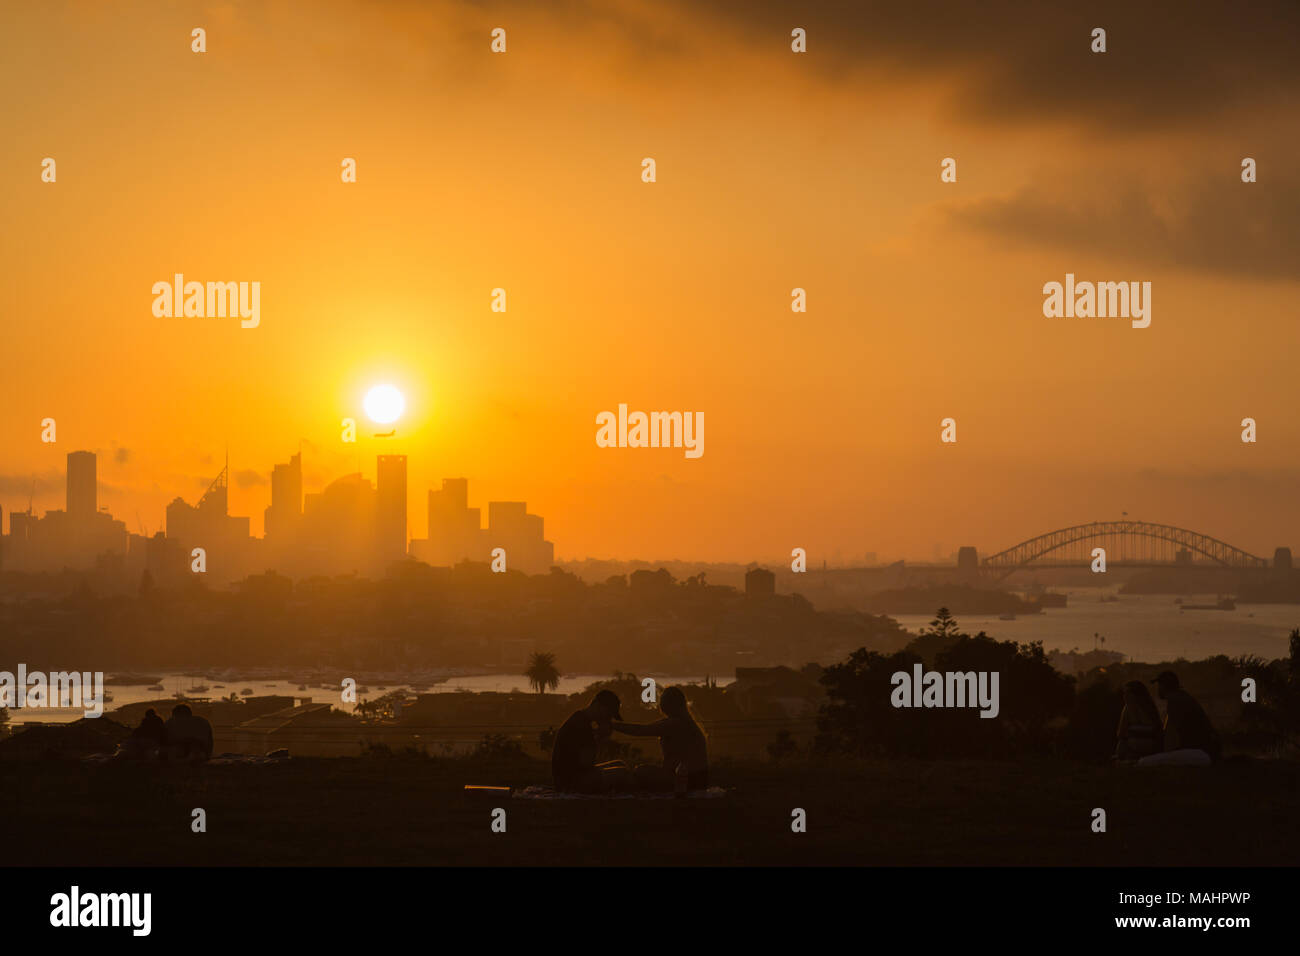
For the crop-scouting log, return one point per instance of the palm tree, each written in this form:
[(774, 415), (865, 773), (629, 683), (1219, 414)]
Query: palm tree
[(542, 673)]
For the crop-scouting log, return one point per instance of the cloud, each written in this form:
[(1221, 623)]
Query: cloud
[(22, 484), (1215, 223), (1026, 60), (247, 478)]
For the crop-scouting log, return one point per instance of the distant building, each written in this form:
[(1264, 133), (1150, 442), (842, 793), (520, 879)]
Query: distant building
[(284, 515), (224, 538), (338, 528), (759, 581), (76, 538), (82, 491), (456, 534), (390, 508), (522, 535)]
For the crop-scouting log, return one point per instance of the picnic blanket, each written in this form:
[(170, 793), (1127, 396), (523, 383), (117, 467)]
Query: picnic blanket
[(539, 792), (220, 760)]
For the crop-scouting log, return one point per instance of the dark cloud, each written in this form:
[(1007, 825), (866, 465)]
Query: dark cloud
[(1167, 63), (1213, 224), (247, 478)]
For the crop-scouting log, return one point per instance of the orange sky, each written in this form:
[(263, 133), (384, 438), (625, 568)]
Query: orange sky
[(775, 170)]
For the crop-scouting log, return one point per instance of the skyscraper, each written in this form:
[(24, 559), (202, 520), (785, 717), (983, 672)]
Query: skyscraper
[(390, 518), (285, 511), (454, 528), (82, 497)]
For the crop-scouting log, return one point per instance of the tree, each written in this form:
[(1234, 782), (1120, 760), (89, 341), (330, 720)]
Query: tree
[(542, 672), (944, 625)]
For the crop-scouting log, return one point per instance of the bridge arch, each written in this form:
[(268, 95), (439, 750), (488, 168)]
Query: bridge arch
[(1122, 532)]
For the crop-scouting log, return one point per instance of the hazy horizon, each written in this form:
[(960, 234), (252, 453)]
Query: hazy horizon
[(776, 171)]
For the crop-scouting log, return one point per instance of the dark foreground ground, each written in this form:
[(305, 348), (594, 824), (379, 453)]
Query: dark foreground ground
[(407, 810)]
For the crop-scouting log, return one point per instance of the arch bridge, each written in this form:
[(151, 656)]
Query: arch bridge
[(1130, 544)]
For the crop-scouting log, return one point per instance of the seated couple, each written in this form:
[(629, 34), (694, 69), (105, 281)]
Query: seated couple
[(573, 759), (184, 736), (1185, 737)]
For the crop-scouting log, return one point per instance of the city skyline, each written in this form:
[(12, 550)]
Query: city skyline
[(819, 171), (350, 524)]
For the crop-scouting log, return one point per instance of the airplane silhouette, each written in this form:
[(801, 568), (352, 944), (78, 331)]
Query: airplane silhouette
[(386, 434)]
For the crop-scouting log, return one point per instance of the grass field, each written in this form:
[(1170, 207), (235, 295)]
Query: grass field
[(411, 811)]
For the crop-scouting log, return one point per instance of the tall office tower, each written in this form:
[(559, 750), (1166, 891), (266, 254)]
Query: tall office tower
[(454, 527), (285, 511), (82, 500), (510, 526), (390, 502)]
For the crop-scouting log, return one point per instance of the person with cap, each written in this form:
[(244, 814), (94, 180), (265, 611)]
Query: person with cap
[(1190, 739), (573, 756)]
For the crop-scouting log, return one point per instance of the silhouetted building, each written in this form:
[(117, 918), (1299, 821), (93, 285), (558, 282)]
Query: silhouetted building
[(456, 533), (284, 515), (76, 538), (338, 528), (522, 535), (759, 582), (224, 538), (81, 493), (390, 502)]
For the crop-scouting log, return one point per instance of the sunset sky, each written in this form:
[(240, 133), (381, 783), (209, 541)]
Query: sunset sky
[(775, 170)]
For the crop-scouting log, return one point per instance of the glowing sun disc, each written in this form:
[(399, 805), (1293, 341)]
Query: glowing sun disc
[(384, 404)]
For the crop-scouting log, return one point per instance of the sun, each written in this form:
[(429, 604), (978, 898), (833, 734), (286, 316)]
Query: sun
[(384, 404)]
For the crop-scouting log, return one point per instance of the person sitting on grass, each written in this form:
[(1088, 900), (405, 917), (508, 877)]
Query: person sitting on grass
[(683, 744), (1140, 733), (188, 737), (573, 756), (146, 740), (1190, 739)]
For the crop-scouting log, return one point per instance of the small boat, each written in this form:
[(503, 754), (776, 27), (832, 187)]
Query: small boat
[(156, 687), (198, 689)]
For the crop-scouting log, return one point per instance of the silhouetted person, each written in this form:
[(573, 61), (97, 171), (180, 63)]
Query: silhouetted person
[(1189, 736), (573, 757), (188, 737), (1140, 733), (147, 738), (683, 744)]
